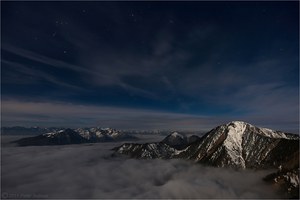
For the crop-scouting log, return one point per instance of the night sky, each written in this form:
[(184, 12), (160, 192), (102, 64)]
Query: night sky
[(150, 65)]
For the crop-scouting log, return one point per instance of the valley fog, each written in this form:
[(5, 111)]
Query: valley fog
[(89, 171)]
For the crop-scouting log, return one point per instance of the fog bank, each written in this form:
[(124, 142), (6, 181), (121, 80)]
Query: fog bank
[(89, 171)]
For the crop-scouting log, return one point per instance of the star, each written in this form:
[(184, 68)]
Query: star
[(61, 22)]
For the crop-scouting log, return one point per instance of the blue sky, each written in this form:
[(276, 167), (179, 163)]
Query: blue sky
[(150, 65)]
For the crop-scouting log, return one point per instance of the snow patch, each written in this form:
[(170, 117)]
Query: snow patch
[(176, 134)]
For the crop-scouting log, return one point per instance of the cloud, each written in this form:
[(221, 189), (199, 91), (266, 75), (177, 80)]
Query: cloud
[(76, 115), (62, 114), (35, 75), (195, 70), (88, 171), (42, 59)]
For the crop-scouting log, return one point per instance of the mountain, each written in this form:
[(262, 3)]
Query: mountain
[(77, 136), (167, 148), (236, 144), (175, 139), (242, 145), (19, 130), (147, 150), (62, 137), (287, 177), (103, 134)]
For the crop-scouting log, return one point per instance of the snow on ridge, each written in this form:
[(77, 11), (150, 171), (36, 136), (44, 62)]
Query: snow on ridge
[(233, 142), (272, 134), (263, 131)]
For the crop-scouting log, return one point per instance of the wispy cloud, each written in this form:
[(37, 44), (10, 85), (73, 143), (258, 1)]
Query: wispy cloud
[(35, 75), (43, 59), (77, 115), (64, 114), (184, 64)]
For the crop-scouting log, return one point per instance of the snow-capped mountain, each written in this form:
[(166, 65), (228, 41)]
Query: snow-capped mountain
[(167, 148), (19, 130), (103, 134), (179, 141), (236, 144), (242, 145), (61, 137), (77, 136), (176, 140)]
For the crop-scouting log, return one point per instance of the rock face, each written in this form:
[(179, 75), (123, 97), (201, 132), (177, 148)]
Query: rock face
[(287, 177), (147, 151), (236, 144), (78, 136)]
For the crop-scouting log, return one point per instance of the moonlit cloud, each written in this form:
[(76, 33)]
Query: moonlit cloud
[(75, 115), (89, 171), (62, 114)]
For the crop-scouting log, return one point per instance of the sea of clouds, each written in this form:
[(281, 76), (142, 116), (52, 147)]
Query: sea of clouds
[(89, 171)]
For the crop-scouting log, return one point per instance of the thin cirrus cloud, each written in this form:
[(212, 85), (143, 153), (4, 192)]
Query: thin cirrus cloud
[(99, 77), (71, 115), (259, 101), (35, 75), (64, 114), (178, 60)]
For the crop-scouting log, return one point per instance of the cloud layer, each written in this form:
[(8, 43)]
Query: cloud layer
[(88, 171), (68, 115)]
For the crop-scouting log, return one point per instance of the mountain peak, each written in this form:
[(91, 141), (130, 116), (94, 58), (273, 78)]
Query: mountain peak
[(241, 127), (175, 140), (237, 122), (176, 134)]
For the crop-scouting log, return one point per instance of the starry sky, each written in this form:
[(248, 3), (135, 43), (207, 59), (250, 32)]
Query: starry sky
[(150, 65)]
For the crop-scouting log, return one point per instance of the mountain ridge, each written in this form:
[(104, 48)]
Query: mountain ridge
[(77, 136), (236, 144)]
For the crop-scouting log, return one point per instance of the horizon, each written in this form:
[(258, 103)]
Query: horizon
[(150, 65), (202, 131)]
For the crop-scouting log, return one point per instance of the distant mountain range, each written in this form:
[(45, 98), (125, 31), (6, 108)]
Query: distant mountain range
[(77, 136), (236, 144), (19, 130)]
